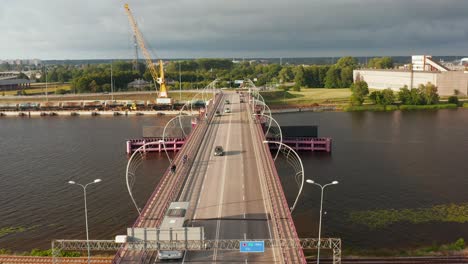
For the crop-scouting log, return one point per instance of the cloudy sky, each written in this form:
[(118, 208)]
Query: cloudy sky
[(94, 29)]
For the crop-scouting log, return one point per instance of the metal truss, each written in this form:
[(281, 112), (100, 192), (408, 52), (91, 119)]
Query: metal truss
[(333, 244)]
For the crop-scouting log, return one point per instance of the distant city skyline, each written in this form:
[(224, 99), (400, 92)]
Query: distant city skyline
[(88, 29)]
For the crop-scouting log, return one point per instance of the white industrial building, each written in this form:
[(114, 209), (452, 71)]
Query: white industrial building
[(422, 71)]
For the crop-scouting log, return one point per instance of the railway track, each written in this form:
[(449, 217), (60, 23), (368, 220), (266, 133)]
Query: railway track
[(40, 260), (400, 260)]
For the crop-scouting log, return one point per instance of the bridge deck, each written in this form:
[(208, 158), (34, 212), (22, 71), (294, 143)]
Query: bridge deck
[(235, 196)]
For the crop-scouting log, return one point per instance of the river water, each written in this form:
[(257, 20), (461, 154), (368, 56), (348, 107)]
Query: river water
[(398, 160)]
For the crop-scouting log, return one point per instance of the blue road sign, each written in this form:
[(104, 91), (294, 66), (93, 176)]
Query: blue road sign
[(252, 246)]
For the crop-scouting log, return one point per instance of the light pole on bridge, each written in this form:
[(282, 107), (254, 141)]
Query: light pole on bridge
[(86, 211), (321, 203)]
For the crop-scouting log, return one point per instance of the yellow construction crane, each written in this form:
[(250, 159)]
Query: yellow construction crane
[(162, 96)]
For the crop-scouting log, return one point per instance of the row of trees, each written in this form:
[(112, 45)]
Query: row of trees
[(381, 63), (423, 95), (199, 72)]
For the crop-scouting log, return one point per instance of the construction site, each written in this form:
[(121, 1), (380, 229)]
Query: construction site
[(423, 69)]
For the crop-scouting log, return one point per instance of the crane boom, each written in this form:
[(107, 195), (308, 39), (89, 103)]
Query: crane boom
[(149, 63)]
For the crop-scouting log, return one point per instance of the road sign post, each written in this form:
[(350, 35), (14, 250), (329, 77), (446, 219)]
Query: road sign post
[(252, 246)]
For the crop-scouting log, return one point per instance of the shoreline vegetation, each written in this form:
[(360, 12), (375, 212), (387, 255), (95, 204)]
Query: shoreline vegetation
[(339, 100)]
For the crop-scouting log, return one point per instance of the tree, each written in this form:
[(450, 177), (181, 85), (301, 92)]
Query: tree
[(346, 76), (299, 79), (375, 97), (404, 95), (347, 62), (93, 87), (381, 63), (429, 93), (106, 87), (332, 79), (388, 97), (286, 74), (360, 89), (453, 100)]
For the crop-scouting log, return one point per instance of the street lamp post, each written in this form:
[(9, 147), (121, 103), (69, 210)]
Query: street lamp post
[(86, 212), (322, 187)]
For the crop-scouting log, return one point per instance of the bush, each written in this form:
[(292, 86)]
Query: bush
[(453, 100), (465, 105), (61, 91)]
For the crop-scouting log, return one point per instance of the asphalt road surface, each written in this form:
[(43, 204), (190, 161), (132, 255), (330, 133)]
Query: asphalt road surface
[(227, 194)]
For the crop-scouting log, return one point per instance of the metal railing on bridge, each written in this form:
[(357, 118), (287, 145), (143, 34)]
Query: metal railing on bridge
[(333, 244)]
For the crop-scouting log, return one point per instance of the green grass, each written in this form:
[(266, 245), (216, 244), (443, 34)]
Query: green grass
[(465, 105), (374, 219), (373, 108), (36, 91), (428, 107), (11, 230), (455, 248), (307, 96)]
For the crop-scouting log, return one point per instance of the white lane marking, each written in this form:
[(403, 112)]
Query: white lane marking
[(183, 260), (245, 236), (243, 197), (243, 187), (220, 208), (244, 215), (205, 175)]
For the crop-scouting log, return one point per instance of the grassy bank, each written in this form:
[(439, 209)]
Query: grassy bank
[(428, 107), (380, 108), (38, 89), (306, 97), (373, 108), (374, 219), (456, 248)]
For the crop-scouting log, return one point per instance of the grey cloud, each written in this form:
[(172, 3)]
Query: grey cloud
[(213, 28)]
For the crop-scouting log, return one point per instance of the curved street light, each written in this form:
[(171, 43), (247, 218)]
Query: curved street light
[(86, 211), (301, 169), (321, 203), (280, 132)]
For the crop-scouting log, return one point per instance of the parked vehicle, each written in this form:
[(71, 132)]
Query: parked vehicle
[(227, 110), (217, 113)]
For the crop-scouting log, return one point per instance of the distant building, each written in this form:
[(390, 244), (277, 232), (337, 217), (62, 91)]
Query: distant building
[(13, 84), (421, 71), (139, 84)]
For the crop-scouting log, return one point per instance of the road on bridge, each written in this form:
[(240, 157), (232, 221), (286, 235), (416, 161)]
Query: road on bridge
[(227, 194), (234, 196)]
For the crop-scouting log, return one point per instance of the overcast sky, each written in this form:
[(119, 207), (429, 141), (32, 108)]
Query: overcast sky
[(95, 29)]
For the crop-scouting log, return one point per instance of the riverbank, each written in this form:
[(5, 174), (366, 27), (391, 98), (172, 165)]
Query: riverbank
[(88, 113)]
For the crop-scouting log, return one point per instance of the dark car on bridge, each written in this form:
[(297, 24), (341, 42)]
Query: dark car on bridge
[(218, 151)]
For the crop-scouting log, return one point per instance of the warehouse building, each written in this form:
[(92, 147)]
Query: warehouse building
[(422, 71), (14, 84)]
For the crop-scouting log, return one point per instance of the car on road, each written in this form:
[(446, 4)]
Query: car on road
[(218, 151), (241, 100), (227, 102), (217, 113), (227, 110)]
